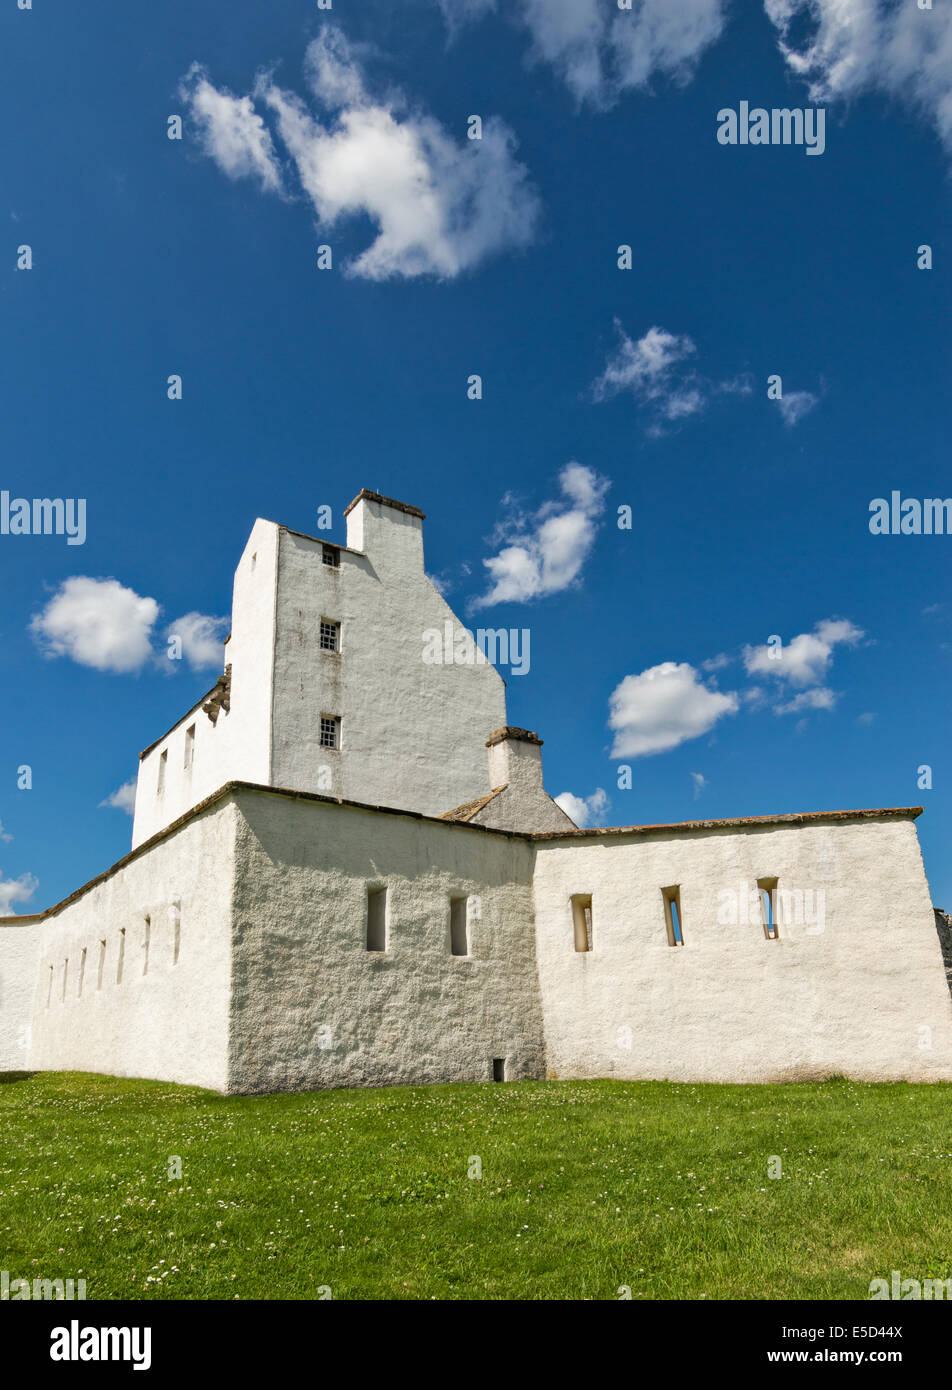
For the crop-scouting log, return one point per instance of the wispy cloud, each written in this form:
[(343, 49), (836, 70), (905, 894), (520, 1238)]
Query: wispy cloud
[(440, 206), (803, 664), (601, 52), (542, 552), (844, 48), (124, 798), (793, 405), (657, 370)]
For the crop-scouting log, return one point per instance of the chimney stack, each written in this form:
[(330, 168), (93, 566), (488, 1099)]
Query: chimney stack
[(515, 758)]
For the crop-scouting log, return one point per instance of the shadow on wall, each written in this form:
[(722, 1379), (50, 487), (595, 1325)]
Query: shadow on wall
[(8, 1076), (943, 925)]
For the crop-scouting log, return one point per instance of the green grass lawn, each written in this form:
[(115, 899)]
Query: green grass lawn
[(585, 1187)]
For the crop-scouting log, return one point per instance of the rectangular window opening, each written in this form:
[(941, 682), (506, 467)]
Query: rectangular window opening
[(49, 991), (330, 731), (330, 635), (163, 764), (672, 915), (82, 973), (122, 955), (582, 921), (376, 919), (102, 964), (331, 556), (65, 975), (769, 904), (190, 748), (175, 912), (146, 938), (459, 926), (499, 1068)]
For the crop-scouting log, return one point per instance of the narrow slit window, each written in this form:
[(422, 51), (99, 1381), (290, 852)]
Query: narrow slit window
[(376, 919), (672, 915), (122, 955), (65, 975), (330, 635), (459, 926), (769, 901), (163, 764), (331, 557), (82, 973), (582, 921), (49, 991), (499, 1068), (175, 913), (102, 964), (330, 731), (190, 748), (146, 940)]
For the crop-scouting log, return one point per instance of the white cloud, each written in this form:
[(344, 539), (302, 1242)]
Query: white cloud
[(795, 404), (544, 551), (656, 371), (440, 206), (98, 623), (857, 46), (700, 782), (14, 890), (584, 810), (805, 660), (716, 663), (3, 835), (601, 52), (124, 798), (201, 637), (231, 131), (663, 707), (818, 698)]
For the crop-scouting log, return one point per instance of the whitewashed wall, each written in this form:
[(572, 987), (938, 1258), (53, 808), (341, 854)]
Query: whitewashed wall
[(238, 746), (171, 1022), (303, 976), (19, 948), (865, 997), (412, 734)]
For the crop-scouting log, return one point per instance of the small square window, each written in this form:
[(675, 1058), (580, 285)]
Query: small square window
[(331, 556), (330, 731), (330, 636)]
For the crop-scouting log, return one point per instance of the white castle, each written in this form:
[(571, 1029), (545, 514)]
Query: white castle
[(331, 884)]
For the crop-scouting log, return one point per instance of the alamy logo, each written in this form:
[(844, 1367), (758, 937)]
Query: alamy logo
[(460, 647), (23, 1290), (75, 1343), (44, 516), (907, 516), (910, 1289), (779, 126)]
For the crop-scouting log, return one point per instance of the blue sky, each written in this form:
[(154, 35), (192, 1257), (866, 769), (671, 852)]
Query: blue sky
[(301, 127)]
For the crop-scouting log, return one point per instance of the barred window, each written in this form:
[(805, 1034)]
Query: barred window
[(330, 731), (331, 556), (330, 636)]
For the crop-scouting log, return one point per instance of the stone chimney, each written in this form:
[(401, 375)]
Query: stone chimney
[(515, 758), (390, 533)]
